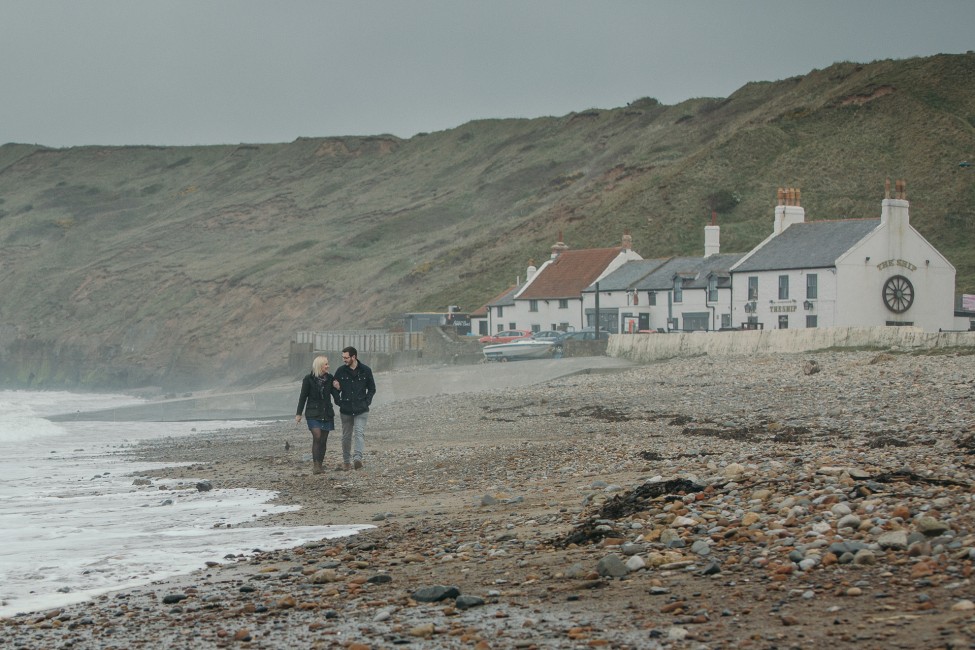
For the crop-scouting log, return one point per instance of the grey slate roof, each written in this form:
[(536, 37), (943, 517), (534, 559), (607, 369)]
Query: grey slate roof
[(663, 278), (693, 270), (506, 299), (623, 278), (719, 265), (807, 245)]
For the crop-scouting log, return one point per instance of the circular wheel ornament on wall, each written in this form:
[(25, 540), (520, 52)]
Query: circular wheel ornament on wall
[(898, 294)]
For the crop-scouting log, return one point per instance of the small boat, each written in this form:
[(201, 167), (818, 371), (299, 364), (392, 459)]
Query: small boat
[(519, 349)]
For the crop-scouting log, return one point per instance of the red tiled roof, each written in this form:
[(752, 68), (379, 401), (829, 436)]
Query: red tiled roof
[(570, 273)]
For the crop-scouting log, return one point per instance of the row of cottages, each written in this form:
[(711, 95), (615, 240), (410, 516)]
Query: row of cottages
[(551, 295), (851, 272), (675, 293)]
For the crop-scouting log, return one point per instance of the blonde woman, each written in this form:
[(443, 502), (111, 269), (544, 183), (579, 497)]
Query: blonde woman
[(315, 401)]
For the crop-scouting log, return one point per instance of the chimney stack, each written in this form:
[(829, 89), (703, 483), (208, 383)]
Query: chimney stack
[(789, 210), (712, 236), (894, 212), (559, 247), (627, 244), (530, 273)]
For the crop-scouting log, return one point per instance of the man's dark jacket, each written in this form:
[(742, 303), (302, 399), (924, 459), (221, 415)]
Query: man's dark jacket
[(357, 389)]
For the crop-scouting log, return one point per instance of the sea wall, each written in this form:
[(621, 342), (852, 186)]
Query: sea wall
[(643, 348)]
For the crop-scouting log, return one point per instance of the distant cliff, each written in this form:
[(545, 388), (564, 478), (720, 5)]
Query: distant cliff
[(188, 266)]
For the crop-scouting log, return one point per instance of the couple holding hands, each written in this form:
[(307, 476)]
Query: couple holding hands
[(352, 387)]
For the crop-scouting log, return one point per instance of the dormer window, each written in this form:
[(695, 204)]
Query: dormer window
[(713, 288), (678, 289)]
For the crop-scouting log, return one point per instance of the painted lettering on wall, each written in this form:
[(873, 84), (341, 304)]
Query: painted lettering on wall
[(888, 263), (782, 308)]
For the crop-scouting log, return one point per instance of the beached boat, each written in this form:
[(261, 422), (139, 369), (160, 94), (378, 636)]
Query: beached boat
[(519, 349)]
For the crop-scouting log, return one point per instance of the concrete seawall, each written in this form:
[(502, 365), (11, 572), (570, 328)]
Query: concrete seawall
[(643, 348)]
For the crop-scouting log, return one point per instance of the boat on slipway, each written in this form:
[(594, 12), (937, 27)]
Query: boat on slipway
[(519, 349)]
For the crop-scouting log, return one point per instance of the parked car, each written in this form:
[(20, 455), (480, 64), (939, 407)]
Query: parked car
[(549, 335), (505, 336), (585, 334)]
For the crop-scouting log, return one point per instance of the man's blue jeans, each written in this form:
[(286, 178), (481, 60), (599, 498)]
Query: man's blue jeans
[(353, 431)]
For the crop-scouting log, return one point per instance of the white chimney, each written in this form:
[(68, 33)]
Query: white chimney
[(894, 212), (712, 236), (530, 273), (788, 211), (627, 243)]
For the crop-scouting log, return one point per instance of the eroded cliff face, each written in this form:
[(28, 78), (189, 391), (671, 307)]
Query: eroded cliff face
[(194, 266)]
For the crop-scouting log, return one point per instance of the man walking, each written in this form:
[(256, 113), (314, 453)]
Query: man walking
[(355, 388)]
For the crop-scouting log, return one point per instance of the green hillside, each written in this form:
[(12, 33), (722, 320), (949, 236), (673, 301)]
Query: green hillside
[(183, 266)]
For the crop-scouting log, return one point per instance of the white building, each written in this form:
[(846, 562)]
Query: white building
[(854, 272), (491, 317), (671, 294), (851, 272), (551, 297)]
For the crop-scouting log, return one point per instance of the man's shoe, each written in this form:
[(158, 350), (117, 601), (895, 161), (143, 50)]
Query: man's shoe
[(343, 468), (357, 464)]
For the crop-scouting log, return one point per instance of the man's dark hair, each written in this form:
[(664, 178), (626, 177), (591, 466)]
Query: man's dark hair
[(351, 351)]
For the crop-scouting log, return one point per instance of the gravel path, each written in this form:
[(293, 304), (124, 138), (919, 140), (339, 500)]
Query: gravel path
[(765, 502)]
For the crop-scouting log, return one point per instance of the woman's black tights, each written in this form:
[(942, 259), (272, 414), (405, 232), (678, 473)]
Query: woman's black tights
[(319, 439)]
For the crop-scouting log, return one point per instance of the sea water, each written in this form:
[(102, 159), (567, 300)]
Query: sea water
[(73, 524)]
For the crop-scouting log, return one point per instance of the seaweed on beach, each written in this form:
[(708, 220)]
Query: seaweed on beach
[(623, 505), (908, 476), (628, 503)]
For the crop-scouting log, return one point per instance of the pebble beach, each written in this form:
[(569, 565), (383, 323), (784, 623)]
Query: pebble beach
[(781, 501)]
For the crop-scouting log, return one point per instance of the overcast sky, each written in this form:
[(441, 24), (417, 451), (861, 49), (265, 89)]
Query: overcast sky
[(183, 72)]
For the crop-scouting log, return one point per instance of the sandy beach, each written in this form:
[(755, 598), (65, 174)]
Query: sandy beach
[(787, 501)]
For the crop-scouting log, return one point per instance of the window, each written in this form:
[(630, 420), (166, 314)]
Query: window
[(500, 312), (783, 288), (563, 327), (783, 321), (713, 288), (725, 320), (532, 305), (753, 287), (512, 326), (678, 290), (651, 298), (812, 321), (536, 328), (563, 303), (812, 287)]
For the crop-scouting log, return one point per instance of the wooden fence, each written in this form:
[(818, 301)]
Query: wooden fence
[(365, 341)]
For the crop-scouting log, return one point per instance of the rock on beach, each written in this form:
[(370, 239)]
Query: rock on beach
[(751, 500)]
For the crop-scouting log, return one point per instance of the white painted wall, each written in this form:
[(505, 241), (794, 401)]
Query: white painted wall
[(768, 306), (895, 248), (549, 314)]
